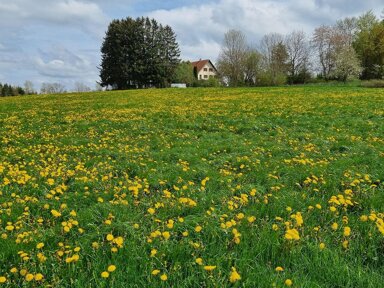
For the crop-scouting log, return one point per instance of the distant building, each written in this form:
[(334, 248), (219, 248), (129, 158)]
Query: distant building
[(178, 85), (204, 69)]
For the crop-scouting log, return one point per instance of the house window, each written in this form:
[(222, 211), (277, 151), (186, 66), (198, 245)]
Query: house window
[(205, 69), (210, 70), (201, 76), (205, 76)]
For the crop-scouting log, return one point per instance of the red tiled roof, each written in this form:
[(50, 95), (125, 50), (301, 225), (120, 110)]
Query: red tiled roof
[(201, 63)]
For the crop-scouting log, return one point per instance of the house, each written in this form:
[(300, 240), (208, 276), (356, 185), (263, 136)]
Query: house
[(204, 69)]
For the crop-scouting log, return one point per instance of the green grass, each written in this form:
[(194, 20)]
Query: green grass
[(113, 155)]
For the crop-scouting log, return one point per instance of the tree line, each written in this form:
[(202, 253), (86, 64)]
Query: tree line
[(351, 48), (10, 90)]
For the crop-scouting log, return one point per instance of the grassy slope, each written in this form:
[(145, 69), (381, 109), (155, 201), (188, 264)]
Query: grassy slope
[(297, 147)]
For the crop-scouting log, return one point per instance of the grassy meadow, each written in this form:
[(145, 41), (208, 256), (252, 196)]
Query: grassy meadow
[(265, 187)]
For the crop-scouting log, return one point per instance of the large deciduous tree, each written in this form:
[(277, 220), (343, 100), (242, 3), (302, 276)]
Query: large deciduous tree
[(275, 59), (369, 45), (138, 53), (298, 57), (232, 57)]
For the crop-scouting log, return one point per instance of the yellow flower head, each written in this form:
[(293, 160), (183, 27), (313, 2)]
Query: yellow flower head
[(39, 277), (104, 274), (279, 269), (155, 272), (235, 276), (288, 282), (40, 245), (111, 268), (347, 231), (166, 235), (29, 277), (292, 234), (164, 277), (209, 268)]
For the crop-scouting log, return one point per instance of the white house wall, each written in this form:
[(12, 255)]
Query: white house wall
[(205, 75)]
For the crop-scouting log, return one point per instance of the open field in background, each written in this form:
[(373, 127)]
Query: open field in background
[(193, 188)]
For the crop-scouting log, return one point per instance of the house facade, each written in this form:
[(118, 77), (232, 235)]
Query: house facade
[(204, 69)]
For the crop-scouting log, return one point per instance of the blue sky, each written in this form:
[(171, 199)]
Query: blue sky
[(59, 40)]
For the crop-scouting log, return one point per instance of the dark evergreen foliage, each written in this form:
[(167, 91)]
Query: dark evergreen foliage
[(138, 53), (9, 90)]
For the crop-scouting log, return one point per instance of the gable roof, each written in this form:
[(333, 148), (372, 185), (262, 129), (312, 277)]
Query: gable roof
[(201, 63)]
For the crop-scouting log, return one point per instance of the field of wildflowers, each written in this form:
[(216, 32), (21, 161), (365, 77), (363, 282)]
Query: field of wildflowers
[(271, 187)]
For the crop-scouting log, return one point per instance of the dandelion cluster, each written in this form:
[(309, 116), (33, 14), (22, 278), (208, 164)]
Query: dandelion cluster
[(205, 187)]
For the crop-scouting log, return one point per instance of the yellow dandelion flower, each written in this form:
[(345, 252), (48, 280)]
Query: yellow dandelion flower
[(321, 246), (164, 277), (55, 213), (14, 270), (111, 268), (166, 235), (151, 211), (155, 272), (292, 234), (209, 268), (279, 269), (119, 241), (40, 245), (104, 274), (39, 277), (3, 279), (199, 261), (363, 218), (198, 228), (251, 219), (153, 252), (9, 227), (29, 277), (288, 282), (235, 276), (110, 237), (347, 231)]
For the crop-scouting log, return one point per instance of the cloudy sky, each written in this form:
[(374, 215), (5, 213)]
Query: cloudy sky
[(59, 40)]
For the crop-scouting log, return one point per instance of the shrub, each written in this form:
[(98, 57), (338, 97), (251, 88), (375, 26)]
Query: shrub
[(377, 83)]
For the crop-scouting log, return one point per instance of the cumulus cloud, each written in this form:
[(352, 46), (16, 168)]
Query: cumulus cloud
[(60, 62), (71, 13), (201, 28)]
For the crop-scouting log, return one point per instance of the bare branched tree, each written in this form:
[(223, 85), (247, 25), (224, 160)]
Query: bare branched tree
[(232, 56), (298, 54)]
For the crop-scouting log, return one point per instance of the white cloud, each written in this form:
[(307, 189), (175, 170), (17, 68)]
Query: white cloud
[(60, 62), (200, 29), (70, 13)]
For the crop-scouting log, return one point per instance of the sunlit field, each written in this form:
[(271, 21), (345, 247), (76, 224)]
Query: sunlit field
[(266, 187)]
